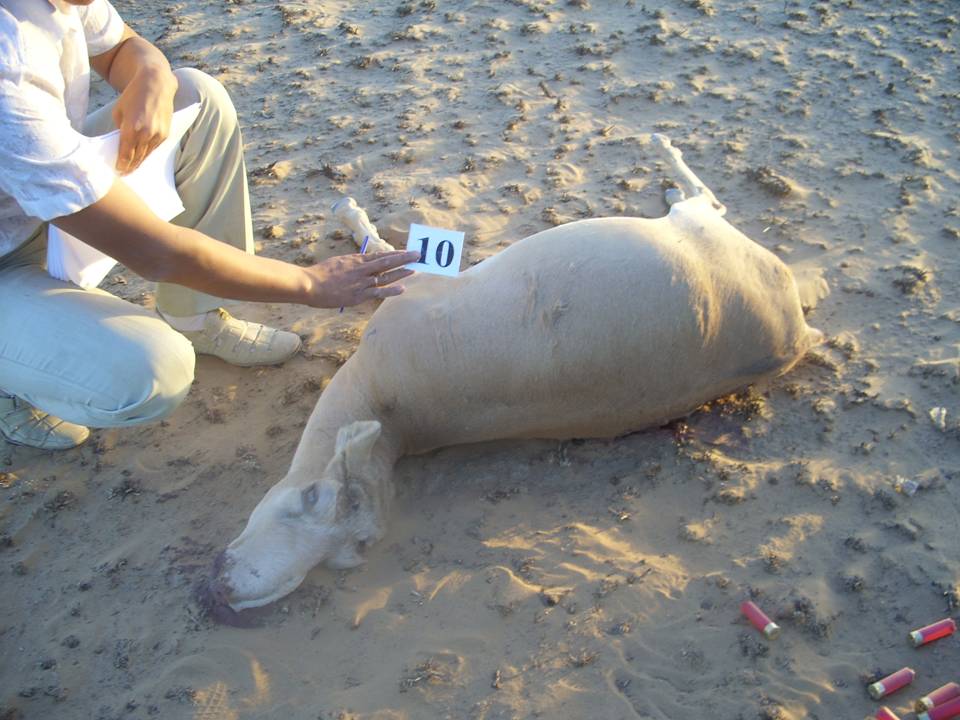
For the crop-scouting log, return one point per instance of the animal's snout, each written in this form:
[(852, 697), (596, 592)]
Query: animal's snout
[(218, 591), (215, 590), (213, 594), (219, 564)]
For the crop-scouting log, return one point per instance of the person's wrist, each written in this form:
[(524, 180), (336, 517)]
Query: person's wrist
[(308, 289)]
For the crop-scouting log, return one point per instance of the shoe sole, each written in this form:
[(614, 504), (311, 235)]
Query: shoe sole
[(255, 364), (43, 447)]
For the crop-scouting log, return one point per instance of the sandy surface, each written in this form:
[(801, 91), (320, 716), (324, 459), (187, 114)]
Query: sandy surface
[(537, 579)]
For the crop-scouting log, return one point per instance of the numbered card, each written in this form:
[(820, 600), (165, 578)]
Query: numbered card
[(439, 249)]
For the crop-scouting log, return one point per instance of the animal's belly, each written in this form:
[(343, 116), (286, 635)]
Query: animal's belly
[(575, 393), (587, 336)]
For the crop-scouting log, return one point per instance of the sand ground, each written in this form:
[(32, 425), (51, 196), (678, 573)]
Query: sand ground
[(543, 579)]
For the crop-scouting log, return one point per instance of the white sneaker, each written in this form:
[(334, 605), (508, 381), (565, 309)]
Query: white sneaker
[(23, 424), (242, 343)]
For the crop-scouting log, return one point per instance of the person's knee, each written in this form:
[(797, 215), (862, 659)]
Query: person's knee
[(161, 378), (197, 86)]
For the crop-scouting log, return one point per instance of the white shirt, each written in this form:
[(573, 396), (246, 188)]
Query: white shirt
[(48, 168)]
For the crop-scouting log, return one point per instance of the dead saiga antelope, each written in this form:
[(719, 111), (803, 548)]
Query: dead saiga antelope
[(588, 330)]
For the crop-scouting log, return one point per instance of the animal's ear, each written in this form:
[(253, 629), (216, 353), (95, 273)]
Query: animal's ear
[(356, 499), (355, 445)]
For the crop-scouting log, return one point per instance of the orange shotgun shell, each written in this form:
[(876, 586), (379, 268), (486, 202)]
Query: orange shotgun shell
[(948, 710), (886, 713), (759, 620), (938, 630), (891, 683), (938, 697)]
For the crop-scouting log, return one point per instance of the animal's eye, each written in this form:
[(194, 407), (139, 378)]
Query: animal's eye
[(308, 496)]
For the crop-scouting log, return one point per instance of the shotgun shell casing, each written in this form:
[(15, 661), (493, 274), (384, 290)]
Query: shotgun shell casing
[(886, 713), (891, 683), (938, 697), (937, 630), (759, 620), (948, 710)]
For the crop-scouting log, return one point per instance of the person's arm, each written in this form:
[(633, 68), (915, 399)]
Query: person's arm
[(136, 69), (123, 227)]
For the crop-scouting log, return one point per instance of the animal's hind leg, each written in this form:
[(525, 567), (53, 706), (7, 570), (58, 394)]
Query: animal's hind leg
[(673, 195), (688, 181), (354, 218)]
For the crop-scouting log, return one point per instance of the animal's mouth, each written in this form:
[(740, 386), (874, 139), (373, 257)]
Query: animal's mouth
[(249, 603), (220, 601), (209, 596)]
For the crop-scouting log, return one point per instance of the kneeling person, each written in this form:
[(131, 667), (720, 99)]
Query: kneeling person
[(71, 358)]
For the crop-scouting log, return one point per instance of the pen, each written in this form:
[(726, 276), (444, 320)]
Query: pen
[(363, 249)]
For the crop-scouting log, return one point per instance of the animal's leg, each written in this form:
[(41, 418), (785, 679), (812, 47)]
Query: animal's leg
[(355, 219), (673, 195), (690, 182), (811, 285)]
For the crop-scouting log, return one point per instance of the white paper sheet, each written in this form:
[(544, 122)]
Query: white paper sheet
[(70, 259)]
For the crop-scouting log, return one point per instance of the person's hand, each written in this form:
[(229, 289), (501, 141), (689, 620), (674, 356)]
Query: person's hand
[(142, 114), (352, 279)]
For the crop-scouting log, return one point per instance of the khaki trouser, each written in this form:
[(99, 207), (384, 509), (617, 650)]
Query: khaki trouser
[(92, 358)]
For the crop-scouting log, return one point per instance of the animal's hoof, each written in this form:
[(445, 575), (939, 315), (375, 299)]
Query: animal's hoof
[(674, 195), (661, 141)]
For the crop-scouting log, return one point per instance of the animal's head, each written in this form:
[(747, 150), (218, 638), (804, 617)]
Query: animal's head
[(303, 521)]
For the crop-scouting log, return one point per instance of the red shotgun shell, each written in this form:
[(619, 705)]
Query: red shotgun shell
[(933, 632), (891, 683), (886, 713), (949, 709), (759, 620), (938, 697)]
